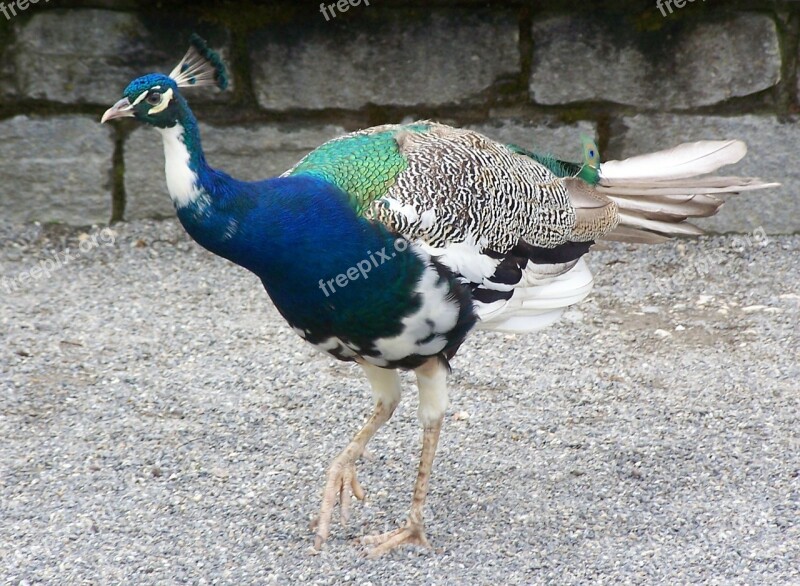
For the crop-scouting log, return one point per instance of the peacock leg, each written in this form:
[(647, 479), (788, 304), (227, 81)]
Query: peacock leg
[(342, 482), (431, 379), (414, 530)]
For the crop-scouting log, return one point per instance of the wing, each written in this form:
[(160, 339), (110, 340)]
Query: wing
[(495, 216), (444, 186), (365, 164)]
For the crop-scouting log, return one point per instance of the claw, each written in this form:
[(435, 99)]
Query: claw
[(411, 534), (342, 485), (350, 487)]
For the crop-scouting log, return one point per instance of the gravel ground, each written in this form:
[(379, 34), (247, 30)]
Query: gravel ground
[(160, 424)]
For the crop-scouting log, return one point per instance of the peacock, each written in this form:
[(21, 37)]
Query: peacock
[(387, 246)]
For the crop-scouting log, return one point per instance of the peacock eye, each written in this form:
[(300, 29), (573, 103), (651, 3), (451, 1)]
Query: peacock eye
[(153, 98)]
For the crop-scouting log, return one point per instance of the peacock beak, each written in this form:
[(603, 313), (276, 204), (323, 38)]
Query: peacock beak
[(121, 109)]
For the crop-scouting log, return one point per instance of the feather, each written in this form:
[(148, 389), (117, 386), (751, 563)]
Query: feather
[(695, 206), (687, 186), (686, 160), (541, 300), (200, 67), (589, 171), (595, 214), (661, 225), (634, 236), (655, 193)]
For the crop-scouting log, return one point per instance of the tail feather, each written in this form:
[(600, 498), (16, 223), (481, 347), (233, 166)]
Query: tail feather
[(645, 199), (656, 193), (634, 236), (687, 160), (713, 184), (659, 225), (678, 206)]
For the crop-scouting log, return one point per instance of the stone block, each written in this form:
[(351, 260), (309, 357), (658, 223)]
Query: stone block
[(576, 59), (55, 170), (384, 58), (88, 56), (543, 136)]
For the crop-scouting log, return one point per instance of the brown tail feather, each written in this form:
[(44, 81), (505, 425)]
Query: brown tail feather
[(652, 196)]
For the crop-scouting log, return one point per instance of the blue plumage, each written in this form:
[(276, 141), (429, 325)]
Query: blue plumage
[(299, 232)]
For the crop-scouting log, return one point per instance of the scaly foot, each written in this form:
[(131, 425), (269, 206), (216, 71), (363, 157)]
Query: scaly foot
[(412, 533), (342, 484)]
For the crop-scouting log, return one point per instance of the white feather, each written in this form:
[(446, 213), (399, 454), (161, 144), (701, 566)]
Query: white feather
[(679, 206), (538, 301), (671, 228), (687, 187), (686, 160), (524, 323), (465, 258), (334, 343), (407, 210), (437, 315), (427, 219), (656, 192), (194, 70), (181, 180)]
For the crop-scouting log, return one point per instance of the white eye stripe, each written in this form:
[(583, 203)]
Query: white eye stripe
[(162, 105), (141, 97)]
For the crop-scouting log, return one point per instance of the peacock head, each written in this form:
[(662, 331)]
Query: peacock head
[(155, 98)]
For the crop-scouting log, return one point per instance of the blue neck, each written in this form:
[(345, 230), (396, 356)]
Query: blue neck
[(295, 233), (265, 225), (191, 138)]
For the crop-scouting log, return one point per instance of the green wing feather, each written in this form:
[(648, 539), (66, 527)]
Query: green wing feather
[(588, 171), (364, 166)]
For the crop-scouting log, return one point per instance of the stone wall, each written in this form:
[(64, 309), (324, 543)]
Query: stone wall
[(536, 73)]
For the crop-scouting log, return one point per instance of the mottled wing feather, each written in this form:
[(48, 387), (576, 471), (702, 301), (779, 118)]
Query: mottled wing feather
[(512, 225), (460, 186)]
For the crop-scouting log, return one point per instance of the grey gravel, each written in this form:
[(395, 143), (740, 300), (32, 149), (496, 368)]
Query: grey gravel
[(159, 424)]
